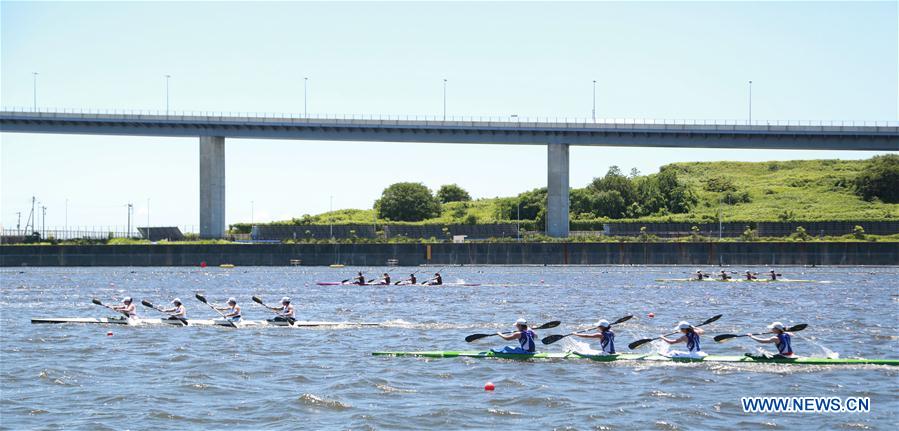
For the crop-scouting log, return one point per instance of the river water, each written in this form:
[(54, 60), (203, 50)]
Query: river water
[(75, 376)]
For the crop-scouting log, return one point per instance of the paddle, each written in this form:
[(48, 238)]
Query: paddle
[(725, 337), (146, 303), (556, 337), (377, 282), (546, 325), (97, 301), (290, 320), (203, 300), (639, 343)]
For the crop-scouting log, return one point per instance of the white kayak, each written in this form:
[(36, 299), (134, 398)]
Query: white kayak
[(195, 322)]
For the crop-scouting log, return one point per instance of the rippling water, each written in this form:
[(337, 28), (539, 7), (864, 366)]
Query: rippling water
[(77, 377)]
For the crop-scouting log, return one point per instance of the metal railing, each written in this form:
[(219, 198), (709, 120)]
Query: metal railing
[(85, 232), (507, 120)]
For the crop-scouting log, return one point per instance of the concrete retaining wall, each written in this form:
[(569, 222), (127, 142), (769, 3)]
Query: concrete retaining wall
[(731, 253)]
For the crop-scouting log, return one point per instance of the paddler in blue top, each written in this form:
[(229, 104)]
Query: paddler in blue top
[(781, 340), (524, 336), (605, 335), (690, 337)]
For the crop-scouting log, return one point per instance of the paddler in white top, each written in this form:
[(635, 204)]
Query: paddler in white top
[(127, 308), (285, 312), (781, 339), (605, 335), (232, 311), (524, 336), (177, 311), (690, 337)]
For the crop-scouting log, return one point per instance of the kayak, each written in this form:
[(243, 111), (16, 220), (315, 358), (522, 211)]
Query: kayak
[(737, 280), (191, 322), (651, 357), (337, 283)]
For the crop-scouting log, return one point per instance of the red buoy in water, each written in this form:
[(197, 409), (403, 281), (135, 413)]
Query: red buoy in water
[(203, 264), (651, 315), (489, 386), (109, 334)]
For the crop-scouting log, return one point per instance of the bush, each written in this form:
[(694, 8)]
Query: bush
[(880, 180), (801, 234), (733, 198), (719, 184), (858, 232), (407, 202), (452, 193)]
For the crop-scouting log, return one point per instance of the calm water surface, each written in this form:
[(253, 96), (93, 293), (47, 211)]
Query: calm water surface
[(77, 377)]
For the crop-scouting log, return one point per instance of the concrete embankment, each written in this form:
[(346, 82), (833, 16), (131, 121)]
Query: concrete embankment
[(727, 253)]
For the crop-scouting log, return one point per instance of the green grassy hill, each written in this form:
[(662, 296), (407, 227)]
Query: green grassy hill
[(801, 190)]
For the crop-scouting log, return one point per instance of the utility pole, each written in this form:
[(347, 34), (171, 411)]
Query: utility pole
[(43, 221), (65, 228), (594, 100), (444, 99), (148, 219), (305, 90), (34, 89), (128, 229), (31, 220), (750, 103), (331, 217), (167, 77), (518, 221), (18, 222)]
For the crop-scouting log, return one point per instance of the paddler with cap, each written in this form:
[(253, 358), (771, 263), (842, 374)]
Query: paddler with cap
[(177, 312), (525, 337), (127, 308), (605, 335), (781, 339), (285, 311), (231, 311), (690, 337)]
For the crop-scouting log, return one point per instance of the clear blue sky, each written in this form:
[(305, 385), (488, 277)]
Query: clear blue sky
[(819, 61)]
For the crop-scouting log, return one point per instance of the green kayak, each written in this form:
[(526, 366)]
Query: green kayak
[(632, 357)]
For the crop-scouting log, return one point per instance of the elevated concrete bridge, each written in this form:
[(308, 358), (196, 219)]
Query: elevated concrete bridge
[(212, 130)]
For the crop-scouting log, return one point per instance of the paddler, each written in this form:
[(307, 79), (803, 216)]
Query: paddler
[(127, 308), (605, 335), (285, 311), (524, 336), (781, 340), (750, 276), (700, 276), (177, 312), (723, 275), (690, 337), (436, 281), (385, 280), (231, 311), (773, 275), (359, 279), (410, 280)]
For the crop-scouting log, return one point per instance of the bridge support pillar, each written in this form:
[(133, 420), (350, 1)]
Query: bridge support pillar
[(212, 186), (557, 198)]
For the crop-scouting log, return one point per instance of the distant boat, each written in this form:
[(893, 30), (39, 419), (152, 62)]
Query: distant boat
[(336, 265), (226, 265)]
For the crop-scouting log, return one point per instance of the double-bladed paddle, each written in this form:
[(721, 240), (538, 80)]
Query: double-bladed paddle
[(202, 299), (639, 343), (290, 320), (556, 337), (146, 303), (725, 337), (98, 302), (546, 325)]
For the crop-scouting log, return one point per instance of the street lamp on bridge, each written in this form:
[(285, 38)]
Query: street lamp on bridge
[(167, 77)]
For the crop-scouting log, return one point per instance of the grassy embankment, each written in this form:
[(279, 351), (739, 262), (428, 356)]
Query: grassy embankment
[(797, 190)]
